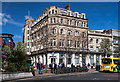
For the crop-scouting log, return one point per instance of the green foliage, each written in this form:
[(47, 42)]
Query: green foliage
[(105, 47), (6, 50), (11, 67), (117, 51), (18, 57)]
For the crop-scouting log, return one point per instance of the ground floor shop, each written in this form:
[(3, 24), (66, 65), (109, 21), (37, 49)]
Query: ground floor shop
[(68, 59)]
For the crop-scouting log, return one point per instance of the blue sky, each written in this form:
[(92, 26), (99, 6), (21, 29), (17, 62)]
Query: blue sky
[(100, 15)]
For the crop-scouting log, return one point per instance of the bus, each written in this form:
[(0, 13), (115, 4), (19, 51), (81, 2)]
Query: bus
[(110, 64)]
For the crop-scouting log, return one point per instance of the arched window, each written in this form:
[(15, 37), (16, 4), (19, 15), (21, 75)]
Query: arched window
[(91, 40), (69, 32), (51, 20), (91, 48), (83, 34), (53, 30), (76, 33), (52, 11), (54, 20), (96, 40)]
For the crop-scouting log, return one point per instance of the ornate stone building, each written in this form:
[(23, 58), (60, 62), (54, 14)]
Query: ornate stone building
[(59, 35), (95, 37), (62, 36)]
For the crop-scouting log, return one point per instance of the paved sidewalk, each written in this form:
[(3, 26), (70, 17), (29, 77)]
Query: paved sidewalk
[(53, 75)]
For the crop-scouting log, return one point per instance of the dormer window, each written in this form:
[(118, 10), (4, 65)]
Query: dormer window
[(72, 14), (76, 15), (54, 20), (84, 25), (69, 32), (79, 16), (56, 11), (52, 11), (76, 33), (68, 13), (49, 12), (61, 21), (51, 20), (67, 22), (77, 23), (70, 22), (83, 16)]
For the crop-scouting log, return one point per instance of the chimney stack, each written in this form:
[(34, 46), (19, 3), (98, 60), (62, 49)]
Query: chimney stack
[(38, 17), (67, 7)]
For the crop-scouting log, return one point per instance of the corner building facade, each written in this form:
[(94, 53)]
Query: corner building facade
[(60, 36)]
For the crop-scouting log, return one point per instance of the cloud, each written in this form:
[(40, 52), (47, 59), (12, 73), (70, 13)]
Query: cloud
[(22, 29), (6, 18), (18, 36), (28, 17)]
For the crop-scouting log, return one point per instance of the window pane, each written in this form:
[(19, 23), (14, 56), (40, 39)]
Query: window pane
[(69, 60)]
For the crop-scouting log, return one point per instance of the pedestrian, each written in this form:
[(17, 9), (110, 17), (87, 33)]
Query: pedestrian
[(34, 64), (32, 70), (85, 65), (50, 65), (72, 65), (55, 67), (88, 66), (38, 65), (58, 65), (40, 68), (63, 65)]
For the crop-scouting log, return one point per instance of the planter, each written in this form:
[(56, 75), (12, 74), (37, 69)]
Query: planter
[(15, 75)]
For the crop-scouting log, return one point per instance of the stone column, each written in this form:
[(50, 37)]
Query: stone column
[(100, 59), (57, 58), (44, 59), (94, 60), (65, 59), (32, 60), (73, 59), (80, 60)]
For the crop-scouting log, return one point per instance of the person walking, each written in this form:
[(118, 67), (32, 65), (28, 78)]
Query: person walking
[(34, 64), (50, 65), (40, 68), (88, 66), (55, 66), (32, 70)]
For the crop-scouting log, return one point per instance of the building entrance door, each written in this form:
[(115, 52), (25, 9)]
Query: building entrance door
[(52, 60), (97, 60), (83, 59)]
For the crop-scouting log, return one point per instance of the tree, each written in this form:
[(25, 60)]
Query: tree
[(6, 50), (18, 57), (117, 51), (105, 47)]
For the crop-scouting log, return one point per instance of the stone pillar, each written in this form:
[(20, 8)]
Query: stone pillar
[(65, 59), (73, 59), (40, 58), (100, 59), (48, 59), (94, 60), (80, 60), (44, 59), (32, 60), (57, 58)]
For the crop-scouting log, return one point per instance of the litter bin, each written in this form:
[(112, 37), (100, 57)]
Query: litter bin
[(97, 67)]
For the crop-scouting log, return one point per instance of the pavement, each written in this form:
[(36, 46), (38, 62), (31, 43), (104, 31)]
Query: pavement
[(52, 74), (107, 76), (48, 75)]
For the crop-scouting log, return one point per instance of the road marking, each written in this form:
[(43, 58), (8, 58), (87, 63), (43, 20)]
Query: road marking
[(113, 75)]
